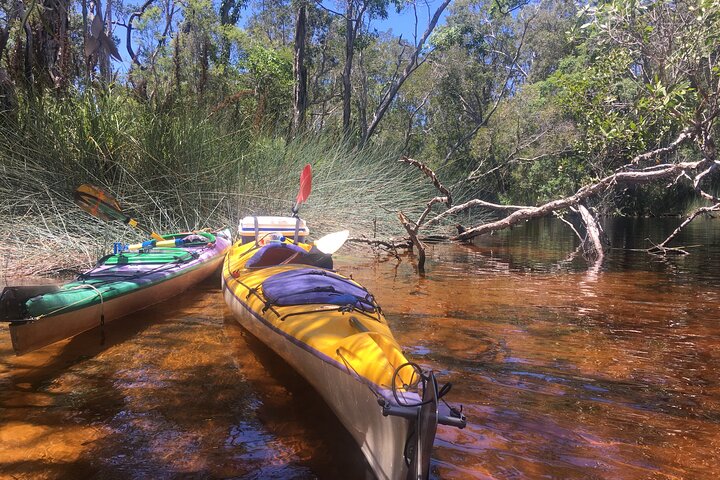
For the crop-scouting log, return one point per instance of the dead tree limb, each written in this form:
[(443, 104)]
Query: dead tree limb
[(415, 240), (389, 244), (470, 204), (572, 227), (684, 135), (663, 248), (594, 232), (626, 177), (431, 175), (425, 213)]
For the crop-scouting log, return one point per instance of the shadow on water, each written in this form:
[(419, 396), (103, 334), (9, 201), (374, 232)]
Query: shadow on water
[(178, 390), (293, 409)]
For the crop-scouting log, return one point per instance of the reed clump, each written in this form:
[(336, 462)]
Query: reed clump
[(176, 170)]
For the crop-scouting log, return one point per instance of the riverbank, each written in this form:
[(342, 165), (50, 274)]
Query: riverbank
[(179, 172)]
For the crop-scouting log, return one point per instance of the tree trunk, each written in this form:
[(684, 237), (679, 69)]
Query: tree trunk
[(86, 62), (8, 100), (300, 71), (412, 65), (61, 73), (204, 65), (176, 65), (362, 96), (102, 52), (347, 70)]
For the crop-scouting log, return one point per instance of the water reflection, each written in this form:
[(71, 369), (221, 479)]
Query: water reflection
[(564, 372)]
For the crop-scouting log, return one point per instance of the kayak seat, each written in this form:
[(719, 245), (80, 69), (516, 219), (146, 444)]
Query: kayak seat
[(315, 286), (285, 253)]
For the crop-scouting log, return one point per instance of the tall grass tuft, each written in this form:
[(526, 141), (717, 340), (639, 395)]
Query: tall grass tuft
[(177, 170)]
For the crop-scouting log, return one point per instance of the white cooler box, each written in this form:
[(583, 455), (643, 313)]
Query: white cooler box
[(256, 228)]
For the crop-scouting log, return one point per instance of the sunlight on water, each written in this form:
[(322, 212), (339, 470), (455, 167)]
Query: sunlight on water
[(563, 372)]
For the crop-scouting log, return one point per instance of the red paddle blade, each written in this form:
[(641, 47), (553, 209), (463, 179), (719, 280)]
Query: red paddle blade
[(305, 185)]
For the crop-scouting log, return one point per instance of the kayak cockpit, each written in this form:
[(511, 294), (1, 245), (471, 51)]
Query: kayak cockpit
[(281, 253)]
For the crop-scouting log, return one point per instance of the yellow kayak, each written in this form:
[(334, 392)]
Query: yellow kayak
[(331, 330)]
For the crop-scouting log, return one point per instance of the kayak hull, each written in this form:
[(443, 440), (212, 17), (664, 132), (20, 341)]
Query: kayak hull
[(381, 439), (37, 332), (330, 330)]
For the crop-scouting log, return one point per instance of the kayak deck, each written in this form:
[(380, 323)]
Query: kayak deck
[(355, 338), (330, 330), (118, 285)]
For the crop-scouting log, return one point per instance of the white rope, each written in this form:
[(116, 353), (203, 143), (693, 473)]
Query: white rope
[(78, 287)]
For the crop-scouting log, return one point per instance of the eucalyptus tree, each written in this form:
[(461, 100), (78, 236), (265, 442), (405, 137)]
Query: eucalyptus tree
[(482, 63), (355, 16), (299, 69)]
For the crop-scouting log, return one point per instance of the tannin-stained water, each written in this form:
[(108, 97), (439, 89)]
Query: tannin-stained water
[(564, 371)]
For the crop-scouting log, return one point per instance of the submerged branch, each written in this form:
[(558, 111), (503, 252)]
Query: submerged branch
[(388, 244), (415, 241)]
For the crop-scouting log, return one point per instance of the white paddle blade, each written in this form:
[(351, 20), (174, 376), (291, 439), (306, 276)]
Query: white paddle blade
[(332, 242)]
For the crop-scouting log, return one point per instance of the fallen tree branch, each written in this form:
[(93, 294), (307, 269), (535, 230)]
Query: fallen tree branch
[(572, 227), (470, 204), (585, 192), (663, 248), (425, 213), (415, 241), (594, 231), (389, 244), (431, 175), (684, 135)]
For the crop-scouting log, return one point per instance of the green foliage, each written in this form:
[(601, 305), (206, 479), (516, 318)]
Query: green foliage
[(269, 68), (519, 107), (271, 76), (628, 90)]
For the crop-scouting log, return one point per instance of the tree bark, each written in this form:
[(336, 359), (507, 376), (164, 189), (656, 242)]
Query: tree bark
[(300, 71), (347, 69)]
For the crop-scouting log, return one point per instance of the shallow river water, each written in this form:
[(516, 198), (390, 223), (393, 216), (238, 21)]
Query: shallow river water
[(563, 371)]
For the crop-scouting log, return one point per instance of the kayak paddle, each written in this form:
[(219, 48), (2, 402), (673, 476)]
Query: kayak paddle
[(305, 188), (332, 242), (101, 204)]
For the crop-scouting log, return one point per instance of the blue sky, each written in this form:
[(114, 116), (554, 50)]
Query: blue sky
[(402, 23)]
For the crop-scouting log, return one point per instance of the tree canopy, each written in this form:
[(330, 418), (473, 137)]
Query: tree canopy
[(517, 102)]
